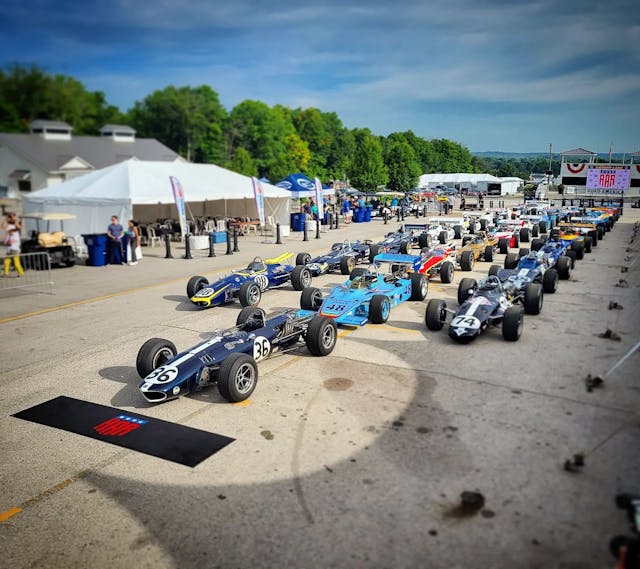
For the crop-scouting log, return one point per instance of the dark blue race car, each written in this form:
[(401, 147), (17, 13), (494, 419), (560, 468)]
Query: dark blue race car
[(229, 357), (343, 257), (248, 284)]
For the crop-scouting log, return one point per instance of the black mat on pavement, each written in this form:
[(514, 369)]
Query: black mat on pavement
[(163, 439)]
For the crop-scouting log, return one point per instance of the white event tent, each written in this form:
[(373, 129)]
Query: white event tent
[(141, 190), (430, 180)]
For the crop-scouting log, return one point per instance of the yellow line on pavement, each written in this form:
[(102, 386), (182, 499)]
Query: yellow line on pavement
[(4, 516)]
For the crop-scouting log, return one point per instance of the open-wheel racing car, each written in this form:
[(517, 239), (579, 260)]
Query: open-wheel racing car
[(482, 305), (395, 242), (343, 257), (480, 246), (370, 292), (439, 260), (229, 357), (248, 284)]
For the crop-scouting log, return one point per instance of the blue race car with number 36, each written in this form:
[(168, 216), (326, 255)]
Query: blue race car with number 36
[(229, 357), (370, 293), (247, 285)]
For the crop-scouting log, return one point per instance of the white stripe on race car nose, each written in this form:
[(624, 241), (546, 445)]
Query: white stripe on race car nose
[(472, 307), (196, 350)]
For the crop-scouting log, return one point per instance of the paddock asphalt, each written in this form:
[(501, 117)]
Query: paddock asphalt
[(355, 460)]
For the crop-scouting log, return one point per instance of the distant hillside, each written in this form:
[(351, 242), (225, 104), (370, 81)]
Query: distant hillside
[(616, 156)]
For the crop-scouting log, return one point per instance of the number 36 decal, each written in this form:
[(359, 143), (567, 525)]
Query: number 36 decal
[(466, 322), (261, 348)]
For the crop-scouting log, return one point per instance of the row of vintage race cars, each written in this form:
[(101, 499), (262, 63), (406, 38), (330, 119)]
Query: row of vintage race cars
[(393, 274)]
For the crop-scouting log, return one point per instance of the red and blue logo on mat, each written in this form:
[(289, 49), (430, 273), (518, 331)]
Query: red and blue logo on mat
[(119, 426)]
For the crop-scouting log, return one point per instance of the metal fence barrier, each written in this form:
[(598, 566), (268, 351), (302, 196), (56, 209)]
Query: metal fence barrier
[(37, 272)]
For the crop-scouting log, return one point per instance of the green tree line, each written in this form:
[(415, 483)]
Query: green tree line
[(253, 138)]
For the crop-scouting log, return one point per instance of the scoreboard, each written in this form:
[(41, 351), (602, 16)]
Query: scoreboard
[(610, 178)]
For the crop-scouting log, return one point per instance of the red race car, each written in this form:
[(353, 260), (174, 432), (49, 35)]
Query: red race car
[(439, 260)]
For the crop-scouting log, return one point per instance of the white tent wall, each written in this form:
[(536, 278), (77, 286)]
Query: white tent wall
[(209, 191)]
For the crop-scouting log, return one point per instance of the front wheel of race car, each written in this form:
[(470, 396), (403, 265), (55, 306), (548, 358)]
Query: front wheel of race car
[(457, 231), (494, 270), (152, 354), (300, 277), (572, 255), (237, 377), (594, 237), (578, 249), (550, 281), (543, 226), (564, 267), (467, 260), (303, 258), (512, 323), (446, 272), (347, 264), (404, 248), (588, 242), (311, 299), (249, 294), (251, 317), (466, 239), (435, 315), (601, 232), (511, 261), (503, 245), (442, 237), (379, 309), (535, 230), (533, 297), (524, 235), (424, 240), (536, 244), (321, 337), (196, 284), (466, 288), (523, 252), (488, 253), (419, 286), (373, 251)]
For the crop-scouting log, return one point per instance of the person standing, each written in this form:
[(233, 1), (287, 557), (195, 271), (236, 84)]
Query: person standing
[(114, 235), (11, 227), (452, 202), (134, 241)]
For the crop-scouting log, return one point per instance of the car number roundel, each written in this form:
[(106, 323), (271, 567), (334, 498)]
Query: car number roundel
[(163, 374), (262, 282), (261, 348), (205, 292), (463, 321)]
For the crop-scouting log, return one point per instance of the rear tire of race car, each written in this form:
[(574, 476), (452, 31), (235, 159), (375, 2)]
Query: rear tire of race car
[(424, 240), (494, 270), (524, 235), (594, 237), (249, 294), (154, 353), (419, 286), (488, 254), (512, 323), (250, 313), (442, 237), (466, 239), (483, 224), (535, 230), (522, 252), (379, 309), (467, 260), (237, 377), (435, 315), (196, 284), (457, 231), (564, 267), (404, 248), (601, 232), (446, 272), (311, 299), (543, 226), (322, 334), (373, 251), (503, 245), (533, 298), (588, 242), (550, 281), (578, 249), (466, 286), (607, 225), (302, 258), (347, 264), (536, 244), (572, 255), (511, 261), (300, 277)]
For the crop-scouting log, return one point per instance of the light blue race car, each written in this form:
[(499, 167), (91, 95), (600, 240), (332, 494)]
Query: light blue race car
[(371, 292)]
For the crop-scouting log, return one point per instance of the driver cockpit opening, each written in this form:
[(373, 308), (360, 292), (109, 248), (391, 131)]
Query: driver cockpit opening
[(256, 265)]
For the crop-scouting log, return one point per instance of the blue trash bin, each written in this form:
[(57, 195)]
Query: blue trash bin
[(358, 214), (367, 212), (96, 248), (297, 221)]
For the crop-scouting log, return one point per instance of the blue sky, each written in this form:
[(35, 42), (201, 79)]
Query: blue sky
[(492, 75)]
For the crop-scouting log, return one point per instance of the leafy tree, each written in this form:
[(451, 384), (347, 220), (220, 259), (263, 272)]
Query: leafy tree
[(243, 163), (367, 169), (401, 163), (188, 120)]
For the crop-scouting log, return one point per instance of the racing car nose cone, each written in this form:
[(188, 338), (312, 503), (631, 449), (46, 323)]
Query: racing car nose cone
[(154, 396)]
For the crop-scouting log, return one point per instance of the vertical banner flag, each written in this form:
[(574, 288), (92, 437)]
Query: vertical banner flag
[(319, 200), (258, 193), (178, 196)]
